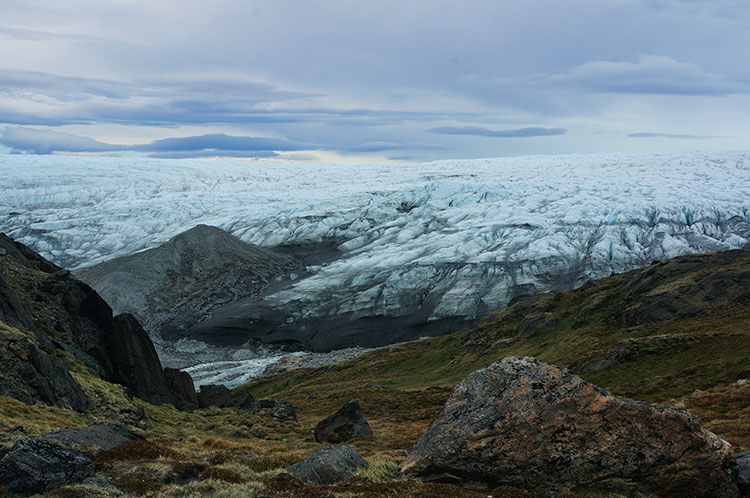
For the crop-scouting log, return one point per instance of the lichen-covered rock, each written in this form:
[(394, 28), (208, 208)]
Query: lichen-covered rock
[(531, 425), (35, 466), (329, 465), (347, 423)]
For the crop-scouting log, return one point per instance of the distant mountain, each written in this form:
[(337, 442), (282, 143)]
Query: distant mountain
[(417, 249), (179, 284)]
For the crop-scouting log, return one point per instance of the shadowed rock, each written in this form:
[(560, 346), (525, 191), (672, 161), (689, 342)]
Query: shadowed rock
[(347, 423), (329, 465), (34, 466), (527, 424), (104, 435), (743, 476), (182, 385), (214, 395), (135, 362)]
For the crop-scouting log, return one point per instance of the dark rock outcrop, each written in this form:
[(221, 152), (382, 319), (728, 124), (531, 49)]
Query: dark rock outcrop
[(329, 465), (182, 385), (35, 466), (214, 395), (530, 425), (277, 408), (104, 435), (29, 374), (135, 362), (347, 423)]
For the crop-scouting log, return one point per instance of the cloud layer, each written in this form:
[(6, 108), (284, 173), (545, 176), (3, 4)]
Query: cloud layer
[(378, 79)]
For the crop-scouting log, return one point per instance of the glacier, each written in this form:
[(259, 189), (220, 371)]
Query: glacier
[(419, 248)]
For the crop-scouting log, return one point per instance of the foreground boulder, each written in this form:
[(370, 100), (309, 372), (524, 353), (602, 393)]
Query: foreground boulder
[(535, 426), (329, 465), (347, 423), (104, 435), (35, 466)]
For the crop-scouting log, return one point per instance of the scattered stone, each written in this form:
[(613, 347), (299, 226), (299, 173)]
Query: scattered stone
[(214, 395), (329, 465), (278, 408), (743, 476), (741, 382), (182, 385), (347, 423), (35, 466), (17, 429), (104, 435), (526, 424)]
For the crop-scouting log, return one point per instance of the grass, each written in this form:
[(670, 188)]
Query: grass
[(690, 362)]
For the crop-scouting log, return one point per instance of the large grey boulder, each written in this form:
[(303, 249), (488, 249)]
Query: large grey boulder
[(36, 466), (347, 423), (527, 424), (104, 435), (329, 465)]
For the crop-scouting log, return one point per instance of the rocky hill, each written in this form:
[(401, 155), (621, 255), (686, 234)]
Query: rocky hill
[(177, 285), (75, 416)]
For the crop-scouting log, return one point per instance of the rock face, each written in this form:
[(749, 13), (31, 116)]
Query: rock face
[(743, 476), (182, 385), (135, 362), (214, 395), (34, 466), (527, 424), (176, 285), (329, 465), (347, 423), (105, 435)]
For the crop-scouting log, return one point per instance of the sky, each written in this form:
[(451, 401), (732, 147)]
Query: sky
[(360, 81)]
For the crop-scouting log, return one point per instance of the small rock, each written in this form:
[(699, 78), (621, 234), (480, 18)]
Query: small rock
[(35, 466), (329, 465), (214, 395), (17, 429), (347, 423), (3, 252), (741, 382)]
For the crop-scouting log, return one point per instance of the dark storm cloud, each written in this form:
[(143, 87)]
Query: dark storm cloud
[(484, 132)]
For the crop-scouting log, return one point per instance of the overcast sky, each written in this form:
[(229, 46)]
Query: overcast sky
[(371, 80)]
